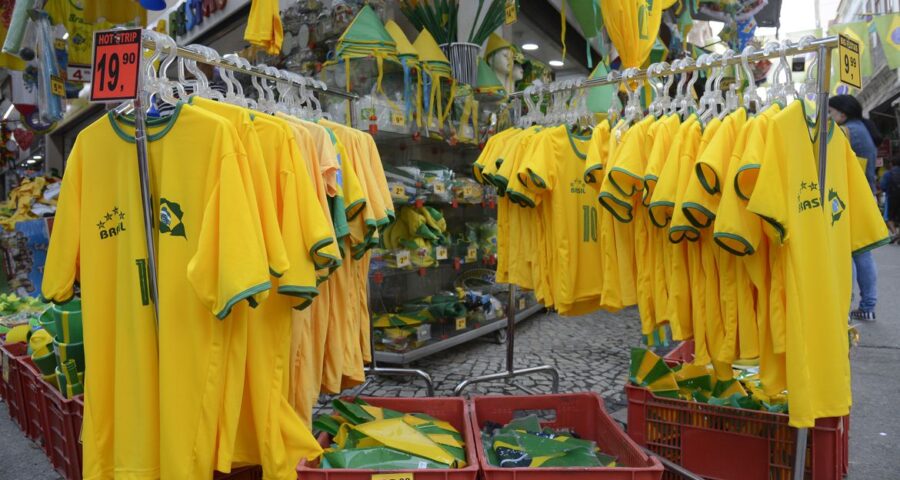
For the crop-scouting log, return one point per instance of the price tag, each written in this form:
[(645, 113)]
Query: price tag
[(440, 252), (521, 304), (78, 74), (402, 258), (471, 254), (397, 119), (439, 187), (398, 191), (460, 323), (59, 44), (57, 86), (848, 54), (393, 476), (512, 12), (116, 61), (469, 191)]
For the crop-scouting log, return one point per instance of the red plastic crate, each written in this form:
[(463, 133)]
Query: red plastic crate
[(452, 410), (242, 473), (76, 418), (32, 389), (11, 382), (584, 414), (60, 437), (748, 444)]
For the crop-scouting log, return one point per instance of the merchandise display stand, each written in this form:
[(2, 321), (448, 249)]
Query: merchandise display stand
[(822, 47)]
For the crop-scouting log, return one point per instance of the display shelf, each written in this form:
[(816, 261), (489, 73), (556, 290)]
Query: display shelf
[(405, 358)]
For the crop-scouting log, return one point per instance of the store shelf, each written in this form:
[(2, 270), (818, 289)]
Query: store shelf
[(432, 348)]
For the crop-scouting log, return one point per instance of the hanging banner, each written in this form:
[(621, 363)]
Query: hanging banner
[(117, 64)]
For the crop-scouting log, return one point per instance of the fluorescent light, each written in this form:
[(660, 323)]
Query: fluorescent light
[(556, 63), (8, 111), (66, 36), (30, 161), (530, 46), (38, 157)]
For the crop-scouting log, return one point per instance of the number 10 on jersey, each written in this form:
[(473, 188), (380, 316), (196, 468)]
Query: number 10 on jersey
[(590, 224), (117, 64)]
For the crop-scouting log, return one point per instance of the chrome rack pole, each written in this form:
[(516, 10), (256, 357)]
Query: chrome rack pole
[(140, 141), (373, 370), (149, 43), (823, 81), (511, 372)]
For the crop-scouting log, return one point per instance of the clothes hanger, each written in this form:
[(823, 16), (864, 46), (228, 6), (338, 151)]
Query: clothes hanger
[(614, 113), (810, 84), (721, 101), (787, 71), (707, 103), (234, 93), (751, 96), (775, 92), (678, 65), (150, 80), (257, 104), (688, 103), (660, 103), (210, 56), (166, 85)]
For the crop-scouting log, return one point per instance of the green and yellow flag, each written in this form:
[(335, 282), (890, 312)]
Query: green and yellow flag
[(888, 28), (858, 31)]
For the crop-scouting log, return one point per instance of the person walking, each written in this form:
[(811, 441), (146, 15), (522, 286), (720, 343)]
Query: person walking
[(864, 139), (890, 185)]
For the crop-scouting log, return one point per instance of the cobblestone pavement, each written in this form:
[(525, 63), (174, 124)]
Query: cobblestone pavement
[(591, 353)]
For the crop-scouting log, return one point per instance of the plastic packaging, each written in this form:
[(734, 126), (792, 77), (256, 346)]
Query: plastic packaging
[(17, 25)]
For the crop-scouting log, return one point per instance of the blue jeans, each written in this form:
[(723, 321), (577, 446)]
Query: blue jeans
[(866, 275)]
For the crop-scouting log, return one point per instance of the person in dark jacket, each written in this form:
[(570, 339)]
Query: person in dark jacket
[(890, 185), (864, 138)]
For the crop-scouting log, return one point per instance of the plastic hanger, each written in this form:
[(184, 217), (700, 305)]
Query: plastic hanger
[(809, 86), (166, 85), (751, 96), (679, 65), (660, 103), (688, 103), (775, 92), (615, 105), (707, 102)]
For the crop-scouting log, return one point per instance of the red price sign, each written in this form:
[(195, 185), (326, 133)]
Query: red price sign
[(117, 63)]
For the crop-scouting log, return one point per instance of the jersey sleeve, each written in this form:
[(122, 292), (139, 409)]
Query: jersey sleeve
[(736, 230), (627, 175), (598, 151), (539, 163), (611, 195), (63, 257), (230, 263), (380, 180), (769, 199), (867, 227)]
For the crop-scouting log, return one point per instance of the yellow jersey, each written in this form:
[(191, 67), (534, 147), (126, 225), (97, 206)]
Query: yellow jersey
[(818, 227), (264, 27)]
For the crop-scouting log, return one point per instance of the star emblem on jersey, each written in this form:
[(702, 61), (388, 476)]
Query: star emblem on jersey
[(111, 223), (808, 196), (837, 206), (170, 218), (577, 186)]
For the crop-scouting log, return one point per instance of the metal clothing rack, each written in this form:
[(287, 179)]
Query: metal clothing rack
[(822, 47), (149, 42)]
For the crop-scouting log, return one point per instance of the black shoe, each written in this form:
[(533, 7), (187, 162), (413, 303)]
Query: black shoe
[(863, 315)]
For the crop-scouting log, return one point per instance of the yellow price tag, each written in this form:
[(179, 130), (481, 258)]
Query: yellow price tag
[(461, 323), (469, 191), (59, 44), (521, 304), (393, 476), (512, 12), (398, 191), (402, 258), (471, 254), (439, 187), (440, 252), (57, 87), (848, 55), (397, 119)]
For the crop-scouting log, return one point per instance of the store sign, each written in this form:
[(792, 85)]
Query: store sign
[(188, 19), (116, 61), (848, 55)]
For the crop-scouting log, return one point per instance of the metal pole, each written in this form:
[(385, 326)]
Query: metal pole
[(511, 330), (140, 141), (822, 124)]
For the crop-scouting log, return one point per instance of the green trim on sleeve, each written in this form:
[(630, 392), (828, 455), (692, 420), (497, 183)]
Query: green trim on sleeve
[(520, 199), (690, 233), (710, 189), (688, 208), (653, 216), (536, 179), (58, 302), (720, 236), (275, 274), (246, 294), (605, 196), (872, 246), (304, 294), (619, 187), (314, 253), (589, 173), (502, 184), (352, 211), (782, 233), (737, 176)]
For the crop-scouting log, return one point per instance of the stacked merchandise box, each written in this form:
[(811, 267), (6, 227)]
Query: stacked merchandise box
[(451, 410), (748, 443), (581, 413)]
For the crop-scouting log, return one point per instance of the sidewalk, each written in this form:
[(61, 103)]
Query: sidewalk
[(592, 354)]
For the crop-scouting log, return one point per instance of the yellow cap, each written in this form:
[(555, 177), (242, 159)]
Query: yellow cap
[(430, 53), (404, 48), (495, 43)]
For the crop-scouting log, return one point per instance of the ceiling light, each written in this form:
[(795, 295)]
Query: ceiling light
[(530, 46), (556, 63), (65, 36), (30, 162), (38, 157), (8, 111)]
